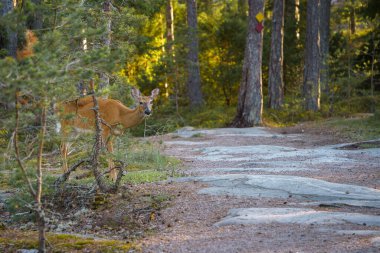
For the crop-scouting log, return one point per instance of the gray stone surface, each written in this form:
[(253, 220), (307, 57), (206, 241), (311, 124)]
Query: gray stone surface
[(294, 215), (248, 169), (256, 153), (281, 186), (187, 132), (187, 143)]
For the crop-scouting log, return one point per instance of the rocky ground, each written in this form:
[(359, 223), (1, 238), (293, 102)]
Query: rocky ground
[(243, 190), (257, 190)]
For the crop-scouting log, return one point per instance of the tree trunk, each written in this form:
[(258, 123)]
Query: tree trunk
[(104, 78), (276, 83), (40, 210), (250, 103), (324, 32), (11, 36), (37, 16), (169, 27), (311, 88), (194, 76), (352, 20)]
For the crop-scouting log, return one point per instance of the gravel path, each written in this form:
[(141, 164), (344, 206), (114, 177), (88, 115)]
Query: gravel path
[(254, 190)]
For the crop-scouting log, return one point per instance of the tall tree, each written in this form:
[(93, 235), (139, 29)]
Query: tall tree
[(250, 103), (311, 86), (169, 27), (276, 83), (324, 32), (7, 6), (104, 78), (194, 77)]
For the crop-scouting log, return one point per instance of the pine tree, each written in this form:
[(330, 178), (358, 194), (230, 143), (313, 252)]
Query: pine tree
[(250, 103), (194, 76), (276, 83)]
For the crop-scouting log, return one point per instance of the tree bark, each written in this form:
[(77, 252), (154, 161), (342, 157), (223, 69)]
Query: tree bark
[(352, 19), (250, 102), (276, 83), (194, 76), (324, 32), (11, 36), (311, 87), (37, 16), (104, 78), (40, 210), (169, 27)]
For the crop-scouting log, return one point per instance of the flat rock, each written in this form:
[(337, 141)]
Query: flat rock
[(294, 215), (267, 153), (186, 143), (281, 186), (187, 132), (248, 169)]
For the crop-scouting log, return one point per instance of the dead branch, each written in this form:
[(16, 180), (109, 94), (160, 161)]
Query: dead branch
[(96, 151), (63, 178)]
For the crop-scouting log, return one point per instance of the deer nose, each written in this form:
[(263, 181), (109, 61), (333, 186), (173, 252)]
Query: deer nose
[(147, 111)]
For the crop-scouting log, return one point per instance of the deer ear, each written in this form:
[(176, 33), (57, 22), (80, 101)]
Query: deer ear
[(155, 93), (135, 93)]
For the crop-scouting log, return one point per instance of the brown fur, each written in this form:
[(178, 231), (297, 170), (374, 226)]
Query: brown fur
[(112, 113), (27, 51)]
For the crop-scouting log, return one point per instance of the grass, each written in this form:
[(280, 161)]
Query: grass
[(11, 240), (355, 129), (147, 176)]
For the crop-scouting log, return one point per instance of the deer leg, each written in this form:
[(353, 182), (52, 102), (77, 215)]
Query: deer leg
[(64, 151)]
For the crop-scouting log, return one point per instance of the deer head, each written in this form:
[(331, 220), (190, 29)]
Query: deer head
[(144, 103)]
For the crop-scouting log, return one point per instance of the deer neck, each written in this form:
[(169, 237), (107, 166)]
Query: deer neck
[(132, 117)]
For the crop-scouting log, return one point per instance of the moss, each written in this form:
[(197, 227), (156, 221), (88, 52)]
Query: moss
[(11, 240)]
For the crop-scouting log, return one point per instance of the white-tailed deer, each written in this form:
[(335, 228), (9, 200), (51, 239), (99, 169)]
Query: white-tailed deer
[(79, 115)]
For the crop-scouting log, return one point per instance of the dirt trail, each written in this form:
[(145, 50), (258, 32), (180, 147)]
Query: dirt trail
[(253, 190)]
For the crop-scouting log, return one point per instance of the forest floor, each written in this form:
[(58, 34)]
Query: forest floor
[(297, 189)]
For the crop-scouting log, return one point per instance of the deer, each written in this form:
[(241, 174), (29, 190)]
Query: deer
[(79, 116)]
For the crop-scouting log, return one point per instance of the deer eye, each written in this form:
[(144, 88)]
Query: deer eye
[(141, 103)]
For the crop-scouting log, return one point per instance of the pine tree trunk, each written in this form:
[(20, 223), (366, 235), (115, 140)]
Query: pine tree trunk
[(250, 102), (276, 83), (40, 210), (194, 76), (352, 20), (11, 36), (324, 32), (311, 88), (37, 21), (104, 78), (169, 27)]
